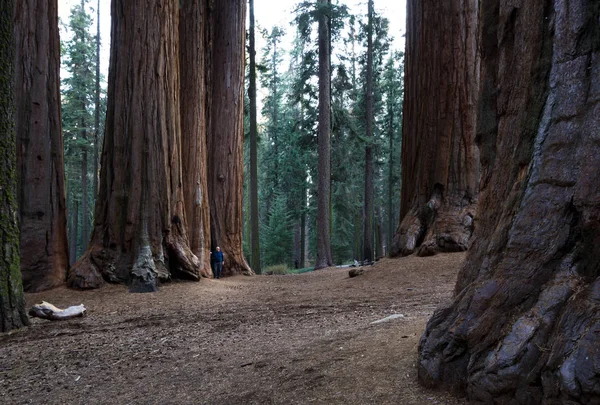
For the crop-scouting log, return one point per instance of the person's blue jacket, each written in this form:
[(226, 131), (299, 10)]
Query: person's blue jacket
[(217, 257)]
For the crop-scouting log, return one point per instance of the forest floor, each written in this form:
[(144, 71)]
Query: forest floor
[(292, 339)]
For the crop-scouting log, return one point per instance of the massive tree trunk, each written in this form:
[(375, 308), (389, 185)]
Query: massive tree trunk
[(42, 211), (324, 258), (368, 194), (194, 121), (12, 304), (524, 326), (226, 131), (254, 220), (440, 162), (139, 233)]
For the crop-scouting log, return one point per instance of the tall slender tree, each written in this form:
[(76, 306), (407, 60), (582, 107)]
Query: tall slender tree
[(140, 228), (97, 92), (369, 194), (12, 303), (324, 258), (226, 131), (42, 210), (254, 219), (194, 119)]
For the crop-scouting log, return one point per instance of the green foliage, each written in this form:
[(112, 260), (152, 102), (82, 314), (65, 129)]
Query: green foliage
[(288, 133), (277, 269), (78, 92)]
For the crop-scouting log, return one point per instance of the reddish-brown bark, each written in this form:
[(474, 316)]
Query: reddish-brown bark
[(194, 119), (42, 209), (139, 233), (525, 324), (440, 162), (324, 257), (226, 131)]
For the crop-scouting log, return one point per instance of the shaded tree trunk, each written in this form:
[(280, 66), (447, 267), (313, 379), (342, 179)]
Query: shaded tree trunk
[(324, 258), (42, 210), (226, 132), (74, 231), (194, 120), (525, 321), (440, 162), (96, 106), (85, 236), (140, 225), (368, 195), (12, 303), (254, 220)]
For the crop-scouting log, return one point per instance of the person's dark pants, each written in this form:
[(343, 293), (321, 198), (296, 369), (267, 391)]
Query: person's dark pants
[(218, 269)]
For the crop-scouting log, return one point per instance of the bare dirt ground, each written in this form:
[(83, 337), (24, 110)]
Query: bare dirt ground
[(293, 339)]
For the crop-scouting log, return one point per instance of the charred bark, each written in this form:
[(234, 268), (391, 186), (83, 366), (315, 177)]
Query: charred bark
[(139, 234), (42, 210), (525, 322), (12, 304), (440, 162), (226, 131), (194, 121)]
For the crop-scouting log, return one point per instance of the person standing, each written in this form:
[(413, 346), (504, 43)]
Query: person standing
[(218, 261)]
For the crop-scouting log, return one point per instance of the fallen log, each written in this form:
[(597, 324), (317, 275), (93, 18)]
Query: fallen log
[(45, 310)]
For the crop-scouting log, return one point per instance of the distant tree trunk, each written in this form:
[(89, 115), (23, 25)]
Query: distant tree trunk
[(440, 162), (368, 195), (85, 236), (194, 120), (226, 133), (254, 228), (525, 322), (390, 202), (324, 258), (42, 211), (12, 304), (97, 106), (74, 231), (140, 227)]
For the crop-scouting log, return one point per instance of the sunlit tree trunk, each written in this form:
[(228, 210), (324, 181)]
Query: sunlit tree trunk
[(42, 209), (440, 162), (324, 258), (140, 233), (226, 131), (524, 325), (194, 120), (12, 304)]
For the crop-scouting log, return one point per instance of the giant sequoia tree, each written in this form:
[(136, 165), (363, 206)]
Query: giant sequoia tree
[(440, 166), (193, 24), (140, 233), (226, 131), (12, 304), (524, 326), (44, 248)]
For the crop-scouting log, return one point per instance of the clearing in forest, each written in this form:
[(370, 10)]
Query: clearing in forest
[(290, 339)]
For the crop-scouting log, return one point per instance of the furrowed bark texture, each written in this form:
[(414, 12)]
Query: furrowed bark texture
[(140, 226), (226, 131), (42, 209), (12, 304), (440, 162), (525, 324), (194, 121), (324, 257)]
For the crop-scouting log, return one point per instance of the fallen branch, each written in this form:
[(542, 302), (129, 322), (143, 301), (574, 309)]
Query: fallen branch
[(45, 310)]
